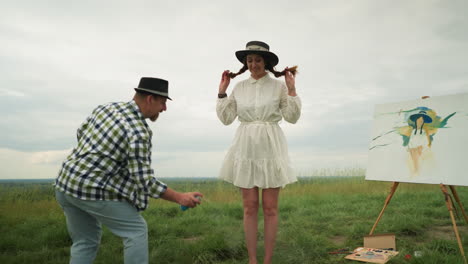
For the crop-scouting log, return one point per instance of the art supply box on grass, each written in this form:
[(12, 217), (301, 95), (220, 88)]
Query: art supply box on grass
[(376, 249)]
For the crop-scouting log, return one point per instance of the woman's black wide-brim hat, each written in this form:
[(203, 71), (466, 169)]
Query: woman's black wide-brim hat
[(423, 114), (260, 48)]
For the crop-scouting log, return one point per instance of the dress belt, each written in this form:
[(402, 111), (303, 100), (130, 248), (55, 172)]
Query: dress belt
[(259, 123)]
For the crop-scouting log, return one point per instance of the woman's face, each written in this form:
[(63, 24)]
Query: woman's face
[(256, 64)]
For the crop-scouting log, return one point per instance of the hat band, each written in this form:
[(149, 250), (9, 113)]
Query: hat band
[(154, 92), (257, 47)]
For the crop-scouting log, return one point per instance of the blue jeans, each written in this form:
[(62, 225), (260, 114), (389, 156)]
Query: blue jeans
[(84, 219)]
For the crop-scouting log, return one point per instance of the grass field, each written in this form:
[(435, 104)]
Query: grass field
[(317, 215)]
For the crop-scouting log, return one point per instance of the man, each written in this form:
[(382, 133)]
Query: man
[(107, 179)]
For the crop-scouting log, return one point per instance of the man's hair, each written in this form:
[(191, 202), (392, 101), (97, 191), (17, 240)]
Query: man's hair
[(143, 94)]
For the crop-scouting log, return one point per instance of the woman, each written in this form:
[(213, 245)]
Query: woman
[(419, 140), (258, 157)]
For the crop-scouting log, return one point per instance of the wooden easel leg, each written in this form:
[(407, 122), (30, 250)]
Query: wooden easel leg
[(455, 194), (455, 228), (387, 201)]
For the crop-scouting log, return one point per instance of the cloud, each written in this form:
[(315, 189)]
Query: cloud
[(48, 157), (61, 60), (11, 93), (46, 164), (313, 163), (27, 165)]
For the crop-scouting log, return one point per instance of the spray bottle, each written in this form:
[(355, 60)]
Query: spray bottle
[(183, 207)]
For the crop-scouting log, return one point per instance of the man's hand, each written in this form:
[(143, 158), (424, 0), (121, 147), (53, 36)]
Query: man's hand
[(190, 199), (186, 199)]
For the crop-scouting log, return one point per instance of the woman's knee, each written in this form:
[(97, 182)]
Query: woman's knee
[(251, 208), (270, 210)]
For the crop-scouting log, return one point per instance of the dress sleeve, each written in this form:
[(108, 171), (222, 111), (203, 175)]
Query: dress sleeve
[(226, 109), (290, 106)]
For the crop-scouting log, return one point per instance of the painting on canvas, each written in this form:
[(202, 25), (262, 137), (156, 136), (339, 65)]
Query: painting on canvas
[(420, 141)]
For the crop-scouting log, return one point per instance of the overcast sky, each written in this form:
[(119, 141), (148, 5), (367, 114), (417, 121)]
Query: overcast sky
[(60, 59)]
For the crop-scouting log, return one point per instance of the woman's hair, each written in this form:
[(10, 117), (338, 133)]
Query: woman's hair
[(241, 71), (268, 67)]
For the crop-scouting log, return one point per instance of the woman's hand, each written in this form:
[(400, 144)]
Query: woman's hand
[(290, 83), (225, 80)]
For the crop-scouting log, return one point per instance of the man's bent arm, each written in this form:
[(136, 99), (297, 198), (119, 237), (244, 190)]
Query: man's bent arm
[(171, 195)]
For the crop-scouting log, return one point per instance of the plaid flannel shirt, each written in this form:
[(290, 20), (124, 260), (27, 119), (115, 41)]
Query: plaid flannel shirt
[(113, 158)]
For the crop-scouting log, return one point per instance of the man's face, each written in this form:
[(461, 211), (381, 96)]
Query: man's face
[(157, 105)]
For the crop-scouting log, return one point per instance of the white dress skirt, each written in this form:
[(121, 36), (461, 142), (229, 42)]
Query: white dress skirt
[(258, 156)]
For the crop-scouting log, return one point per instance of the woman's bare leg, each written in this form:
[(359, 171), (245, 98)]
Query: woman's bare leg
[(250, 202), (270, 213)]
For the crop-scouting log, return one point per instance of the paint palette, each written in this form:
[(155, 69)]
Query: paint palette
[(372, 255)]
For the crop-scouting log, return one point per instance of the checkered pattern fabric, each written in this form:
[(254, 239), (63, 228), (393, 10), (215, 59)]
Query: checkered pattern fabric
[(113, 158)]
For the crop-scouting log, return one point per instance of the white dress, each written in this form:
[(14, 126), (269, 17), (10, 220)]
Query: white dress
[(420, 139), (258, 155)]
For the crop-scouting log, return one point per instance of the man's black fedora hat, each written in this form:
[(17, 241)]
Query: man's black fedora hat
[(154, 86), (260, 48)]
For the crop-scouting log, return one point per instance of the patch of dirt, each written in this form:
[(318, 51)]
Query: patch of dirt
[(191, 239), (338, 240), (446, 232)]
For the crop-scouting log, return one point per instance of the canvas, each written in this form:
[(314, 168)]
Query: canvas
[(420, 141)]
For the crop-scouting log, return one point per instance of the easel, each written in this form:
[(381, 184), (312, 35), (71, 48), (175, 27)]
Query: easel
[(448, 202)]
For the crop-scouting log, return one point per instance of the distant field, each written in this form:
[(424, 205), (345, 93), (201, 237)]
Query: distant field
[(317, 215)]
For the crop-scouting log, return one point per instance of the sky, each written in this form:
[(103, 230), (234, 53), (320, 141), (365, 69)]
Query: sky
[(61, 59)]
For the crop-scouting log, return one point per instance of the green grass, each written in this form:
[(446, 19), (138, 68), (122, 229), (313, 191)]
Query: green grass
[(317, 215)]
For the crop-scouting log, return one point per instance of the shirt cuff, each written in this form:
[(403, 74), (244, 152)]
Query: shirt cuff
[(158, 189)]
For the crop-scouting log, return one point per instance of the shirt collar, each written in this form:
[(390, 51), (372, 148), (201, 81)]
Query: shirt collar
[(137, 111), (135, 108), (259, 81)]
